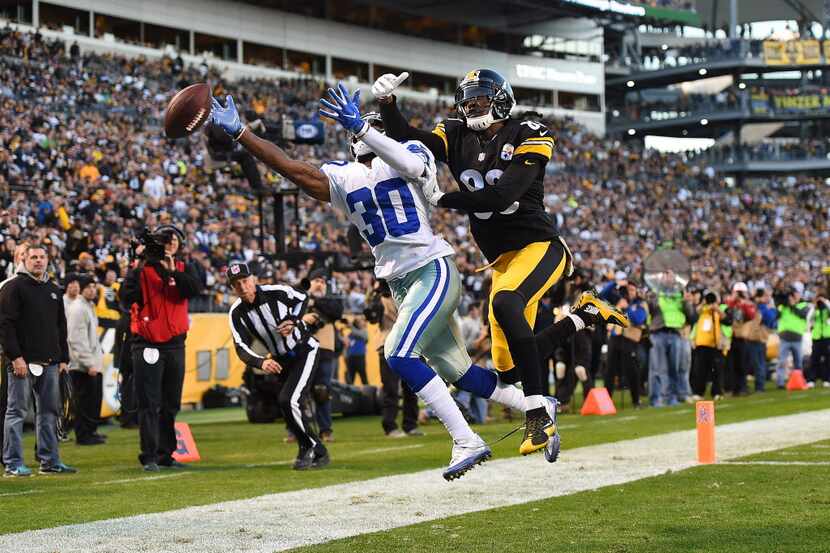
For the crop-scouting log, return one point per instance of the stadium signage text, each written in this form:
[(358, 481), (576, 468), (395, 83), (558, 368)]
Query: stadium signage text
[(610, 6), (542, 73)]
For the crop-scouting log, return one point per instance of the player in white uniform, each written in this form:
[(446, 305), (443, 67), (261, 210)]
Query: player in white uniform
[(380, 192)]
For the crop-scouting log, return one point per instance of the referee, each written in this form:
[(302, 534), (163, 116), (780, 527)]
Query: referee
[(274, 316)]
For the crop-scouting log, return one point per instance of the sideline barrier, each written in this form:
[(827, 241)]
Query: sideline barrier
[(210, 360)]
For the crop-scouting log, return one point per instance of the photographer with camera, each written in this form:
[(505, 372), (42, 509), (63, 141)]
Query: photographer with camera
[(382, 311), (156, 292), (327, 310), (792, 325), (273, 333), (739, 362), (709, 344)]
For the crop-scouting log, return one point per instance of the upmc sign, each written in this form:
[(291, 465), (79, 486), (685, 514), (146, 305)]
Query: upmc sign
[(566, 75), (554, 75)]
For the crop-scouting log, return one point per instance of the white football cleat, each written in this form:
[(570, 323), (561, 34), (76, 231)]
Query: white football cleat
[(554, 443), (466, 455)]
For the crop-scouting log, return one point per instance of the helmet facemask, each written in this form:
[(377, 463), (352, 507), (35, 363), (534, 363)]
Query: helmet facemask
[(359, 149), (478, 112)]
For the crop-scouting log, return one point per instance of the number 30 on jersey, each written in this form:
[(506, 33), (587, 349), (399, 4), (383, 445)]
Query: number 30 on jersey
[(398, 214)]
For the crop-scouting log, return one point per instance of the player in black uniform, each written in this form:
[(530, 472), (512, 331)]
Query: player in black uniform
[(499, 164)]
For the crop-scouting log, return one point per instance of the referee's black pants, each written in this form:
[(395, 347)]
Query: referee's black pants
[(159, 378), (297, 376)]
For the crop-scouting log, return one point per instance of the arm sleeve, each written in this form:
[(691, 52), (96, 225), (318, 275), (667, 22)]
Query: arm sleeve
[(79, 338), (242, 340), (398, 128), (187, 281), (512, 185), (9, 315), (130, 292), (403, 160)]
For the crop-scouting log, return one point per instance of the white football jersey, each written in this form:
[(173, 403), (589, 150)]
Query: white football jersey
[(391, 213)]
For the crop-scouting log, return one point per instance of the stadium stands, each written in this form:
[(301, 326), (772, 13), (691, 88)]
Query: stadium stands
[(84, 166)]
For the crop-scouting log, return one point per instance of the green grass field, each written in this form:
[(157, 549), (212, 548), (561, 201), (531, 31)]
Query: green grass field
[(729, 508), (241, 460)]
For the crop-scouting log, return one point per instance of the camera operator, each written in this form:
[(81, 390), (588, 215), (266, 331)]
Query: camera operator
[(792, 325), (327, 310), (157, 293), (381, 310), (740, 363), (276, 317), (709, 343)]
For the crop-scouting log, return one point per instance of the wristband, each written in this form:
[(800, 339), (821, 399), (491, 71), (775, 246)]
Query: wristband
[(363, 130), (240, 133)]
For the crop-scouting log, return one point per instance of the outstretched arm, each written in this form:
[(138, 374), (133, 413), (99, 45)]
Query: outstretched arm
[(309, 178), (395, 124)]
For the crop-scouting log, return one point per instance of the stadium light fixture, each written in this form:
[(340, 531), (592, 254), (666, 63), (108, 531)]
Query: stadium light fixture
[(664, 47), (742, 86), (704, 122), (615, 113), (702, 71), (630, 84), (631, 132)]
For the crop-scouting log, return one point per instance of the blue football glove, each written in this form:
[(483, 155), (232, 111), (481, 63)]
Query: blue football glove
[(345, 110), (226, 117)]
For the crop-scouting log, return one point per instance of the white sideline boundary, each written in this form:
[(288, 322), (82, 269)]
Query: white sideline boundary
[(282, 521)]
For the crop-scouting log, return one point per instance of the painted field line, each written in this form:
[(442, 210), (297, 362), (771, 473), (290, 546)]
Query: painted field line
[(283, 521), (139, 479), (775, 463), (26, 492), (339, 457)]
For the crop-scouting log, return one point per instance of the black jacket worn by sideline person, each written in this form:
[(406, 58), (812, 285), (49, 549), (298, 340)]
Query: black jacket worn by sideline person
[(158, 301), (28, 337)]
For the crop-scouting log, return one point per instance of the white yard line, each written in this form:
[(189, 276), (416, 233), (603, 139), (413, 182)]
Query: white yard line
[(788, 463), (282, 521), (341, 457), (27, 492), (140, 479)]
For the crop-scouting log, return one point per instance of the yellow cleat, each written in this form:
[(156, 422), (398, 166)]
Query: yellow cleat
[(538, 430), (589, 304)]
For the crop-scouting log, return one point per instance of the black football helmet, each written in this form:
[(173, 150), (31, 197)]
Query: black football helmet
[(488, 84)]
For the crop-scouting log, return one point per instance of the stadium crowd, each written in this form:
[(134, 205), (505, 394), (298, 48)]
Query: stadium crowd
[(84, 167)]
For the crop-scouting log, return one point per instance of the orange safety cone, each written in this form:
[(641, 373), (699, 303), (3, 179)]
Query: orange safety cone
[(796, 381), (186, 451), (705, 416), (598, 403)]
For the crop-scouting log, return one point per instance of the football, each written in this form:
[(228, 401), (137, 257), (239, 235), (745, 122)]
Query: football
[(187, 111)]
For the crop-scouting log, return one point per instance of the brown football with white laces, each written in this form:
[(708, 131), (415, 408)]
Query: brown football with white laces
[(187, 111)]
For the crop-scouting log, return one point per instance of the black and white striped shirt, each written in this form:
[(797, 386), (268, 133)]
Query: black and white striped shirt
[(258, 322)]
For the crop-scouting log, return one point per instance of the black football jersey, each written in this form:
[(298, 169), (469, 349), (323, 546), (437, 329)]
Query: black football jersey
[(476, 162)]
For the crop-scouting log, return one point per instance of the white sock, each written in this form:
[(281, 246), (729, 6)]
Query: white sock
[(534, 402), (510, 396), (436, 395)]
